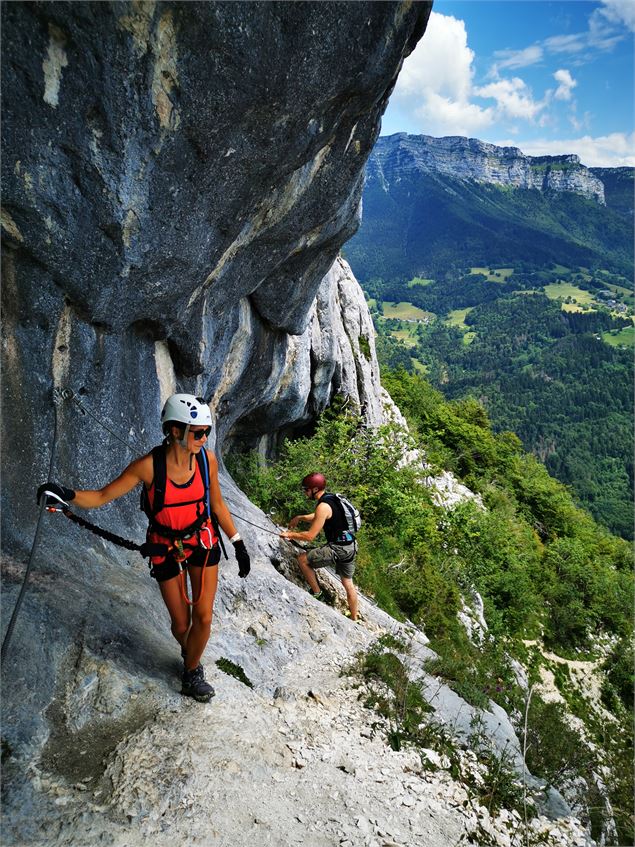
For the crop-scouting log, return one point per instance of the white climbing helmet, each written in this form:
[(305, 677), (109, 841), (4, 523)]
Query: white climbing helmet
[(186, 409)]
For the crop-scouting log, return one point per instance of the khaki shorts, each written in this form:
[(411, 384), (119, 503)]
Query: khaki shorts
[(339, 556)]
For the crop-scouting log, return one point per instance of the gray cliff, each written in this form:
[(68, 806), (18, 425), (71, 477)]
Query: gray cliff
[(469, 158), (178, 180)]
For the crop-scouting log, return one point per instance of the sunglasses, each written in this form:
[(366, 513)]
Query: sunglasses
[(199, 434)]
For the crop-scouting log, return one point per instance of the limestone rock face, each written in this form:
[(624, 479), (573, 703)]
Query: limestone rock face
[(334, 355), (178, 178), (469, 158)]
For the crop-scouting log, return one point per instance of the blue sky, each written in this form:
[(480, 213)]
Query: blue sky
[(548, 77)]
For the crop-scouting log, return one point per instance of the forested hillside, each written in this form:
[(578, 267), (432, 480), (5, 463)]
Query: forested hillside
[(618, 189), (551, 579), (547, 375), (518, 297), (433, 222)]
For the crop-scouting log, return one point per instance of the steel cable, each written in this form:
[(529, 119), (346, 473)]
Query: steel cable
[(69, 394), (14, 616)]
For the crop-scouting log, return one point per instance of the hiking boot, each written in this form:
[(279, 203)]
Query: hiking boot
[(193, 684), (321, 595)]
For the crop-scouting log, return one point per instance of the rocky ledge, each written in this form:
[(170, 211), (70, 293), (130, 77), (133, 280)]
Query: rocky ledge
[(295, 757)]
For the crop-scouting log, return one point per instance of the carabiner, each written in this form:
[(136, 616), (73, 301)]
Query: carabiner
[(209, 535)]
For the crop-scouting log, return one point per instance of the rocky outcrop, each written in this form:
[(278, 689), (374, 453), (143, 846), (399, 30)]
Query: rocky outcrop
[(334, 355), (399, 155), (178, 178)]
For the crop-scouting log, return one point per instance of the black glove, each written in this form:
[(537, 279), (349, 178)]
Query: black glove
[(242, 557), (55, 494)]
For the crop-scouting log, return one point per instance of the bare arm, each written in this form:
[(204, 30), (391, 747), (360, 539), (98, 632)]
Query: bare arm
[(322, 513), (301, 519), (219, 507), (140, 470)]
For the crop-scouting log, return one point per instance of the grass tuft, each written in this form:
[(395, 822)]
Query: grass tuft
[(232, 669)]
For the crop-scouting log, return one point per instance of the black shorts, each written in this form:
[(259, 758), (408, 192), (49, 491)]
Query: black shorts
[(170, 567)]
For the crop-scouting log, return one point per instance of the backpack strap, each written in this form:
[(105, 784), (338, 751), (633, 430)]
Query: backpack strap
[(201, 461), (159, 465), (159, 474), (203, 466)]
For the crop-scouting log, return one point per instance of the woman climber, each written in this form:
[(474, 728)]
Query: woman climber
[(182, 498)]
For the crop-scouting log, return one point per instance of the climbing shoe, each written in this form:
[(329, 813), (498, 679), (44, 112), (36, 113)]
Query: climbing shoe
[(347, 614), (193, 684)]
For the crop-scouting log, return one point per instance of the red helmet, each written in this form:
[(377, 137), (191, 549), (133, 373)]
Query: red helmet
[(314, 480)]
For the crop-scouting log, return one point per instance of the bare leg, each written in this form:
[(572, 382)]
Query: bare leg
[(177, 607), (201, 613), (351, 596), (308, 573)]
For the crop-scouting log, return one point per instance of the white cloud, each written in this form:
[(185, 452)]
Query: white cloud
[(578, 124), (603, 34), (566, 84), (605, 31), (514, 59), (513, 98), (607, 151), (442, 62), (620, 12), (574, 43), (436, 84), (436, 94), (442, 116)]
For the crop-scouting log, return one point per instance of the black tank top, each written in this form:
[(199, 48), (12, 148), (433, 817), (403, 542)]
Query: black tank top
[(336, 527)]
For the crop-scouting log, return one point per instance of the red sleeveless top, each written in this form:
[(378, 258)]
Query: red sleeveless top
[(183, 504)]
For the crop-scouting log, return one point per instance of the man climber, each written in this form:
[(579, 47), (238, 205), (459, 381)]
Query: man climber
[(340, 548)]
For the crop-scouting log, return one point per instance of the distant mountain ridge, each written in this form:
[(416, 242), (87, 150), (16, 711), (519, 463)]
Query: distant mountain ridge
[(430, 204), (448, 228), (396, 156)]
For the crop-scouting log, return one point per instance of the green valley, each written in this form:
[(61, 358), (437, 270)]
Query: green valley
[(552, 364), (528, 300)]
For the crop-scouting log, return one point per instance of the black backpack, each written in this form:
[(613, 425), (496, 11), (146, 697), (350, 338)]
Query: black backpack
[(349, 517)]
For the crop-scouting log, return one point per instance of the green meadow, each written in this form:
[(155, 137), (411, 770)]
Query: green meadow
[(493, 274), (457, 317), (405, 335), (562, 290), (405, 312), (417, 280), (623, 338)]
